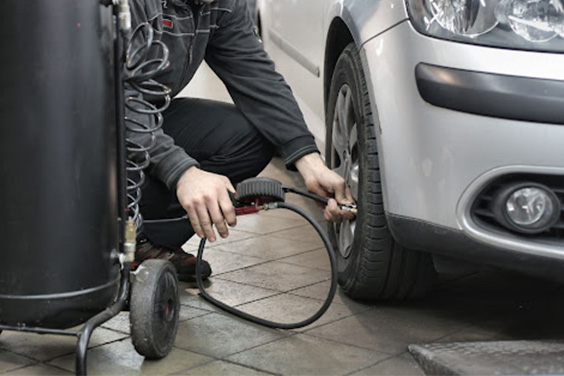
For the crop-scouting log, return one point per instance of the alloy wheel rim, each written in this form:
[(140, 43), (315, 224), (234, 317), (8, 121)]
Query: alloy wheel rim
[(345, 160)]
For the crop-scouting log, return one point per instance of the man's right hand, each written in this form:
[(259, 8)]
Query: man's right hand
[(204, 197)]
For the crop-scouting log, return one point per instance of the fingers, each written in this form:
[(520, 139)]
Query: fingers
[(227, 209), (343, 194), (332, 212), (194, 221), (205, 222), (205, 198)]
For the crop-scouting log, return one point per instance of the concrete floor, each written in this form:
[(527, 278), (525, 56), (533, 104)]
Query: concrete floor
[(273, 265)]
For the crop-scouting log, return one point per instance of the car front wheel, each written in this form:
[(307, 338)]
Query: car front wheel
[(371, 265)]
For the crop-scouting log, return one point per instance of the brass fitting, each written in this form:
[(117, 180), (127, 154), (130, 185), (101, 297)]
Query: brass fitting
[(130, 241)]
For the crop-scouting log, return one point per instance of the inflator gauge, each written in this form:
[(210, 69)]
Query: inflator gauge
[(256, 194)]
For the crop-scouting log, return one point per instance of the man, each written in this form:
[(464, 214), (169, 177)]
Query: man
[(206, 147)]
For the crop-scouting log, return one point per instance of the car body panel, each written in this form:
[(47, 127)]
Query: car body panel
[(434, 160), (289, 46)]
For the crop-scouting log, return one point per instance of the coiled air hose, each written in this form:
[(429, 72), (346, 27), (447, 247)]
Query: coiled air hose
[(144, 60), (267, 194)]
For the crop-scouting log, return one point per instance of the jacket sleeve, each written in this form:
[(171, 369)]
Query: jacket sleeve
[(167, 160), (237, 56)]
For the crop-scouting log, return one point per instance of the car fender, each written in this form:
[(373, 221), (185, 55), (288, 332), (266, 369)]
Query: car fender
[(366, 19)]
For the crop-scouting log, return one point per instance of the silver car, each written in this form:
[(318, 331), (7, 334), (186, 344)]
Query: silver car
[(446, 117)]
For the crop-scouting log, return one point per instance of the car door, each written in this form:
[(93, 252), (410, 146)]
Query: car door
[(295, 41)]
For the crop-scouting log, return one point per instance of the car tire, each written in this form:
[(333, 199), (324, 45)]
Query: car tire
[(371, 264)]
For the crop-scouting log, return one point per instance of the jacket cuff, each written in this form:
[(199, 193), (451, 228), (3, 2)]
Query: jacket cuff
[(175, 175), (170, 169), (297, 148)]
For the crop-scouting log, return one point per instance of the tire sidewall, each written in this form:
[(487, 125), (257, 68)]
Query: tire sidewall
[(346, 72)]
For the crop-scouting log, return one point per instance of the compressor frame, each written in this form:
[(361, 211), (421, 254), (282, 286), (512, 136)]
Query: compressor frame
[(164, 275)]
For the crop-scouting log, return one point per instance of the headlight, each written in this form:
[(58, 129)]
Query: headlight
[(520, 24), (468, 18), (534, 20)]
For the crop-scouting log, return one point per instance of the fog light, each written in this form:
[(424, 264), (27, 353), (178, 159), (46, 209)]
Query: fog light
[(528, 208)]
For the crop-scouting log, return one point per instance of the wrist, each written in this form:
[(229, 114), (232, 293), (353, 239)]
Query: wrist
[(309, 164), (187, 175)]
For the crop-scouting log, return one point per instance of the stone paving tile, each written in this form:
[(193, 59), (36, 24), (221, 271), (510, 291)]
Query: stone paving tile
[(303, 233), (10, 361), (219, 335), (474, 334), (39, 370), (319, 291), (318, 258), (118, 323), (46, 347), (233, 293), (401, 365), (120, 358), (388, 329), (223, 368), (187, 312), (225, 261), (277, 276), (189, 298), (121, 322), (506, 305), (287, 308), (192, 245), (305, 355), (267, 247)]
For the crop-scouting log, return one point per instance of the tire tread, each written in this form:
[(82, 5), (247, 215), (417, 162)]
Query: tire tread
[(382, 268)]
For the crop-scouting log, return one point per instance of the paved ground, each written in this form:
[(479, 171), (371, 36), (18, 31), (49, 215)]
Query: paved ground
[(274, 265)]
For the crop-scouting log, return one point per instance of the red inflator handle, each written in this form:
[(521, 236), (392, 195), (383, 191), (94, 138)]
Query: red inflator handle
[(246, 210)]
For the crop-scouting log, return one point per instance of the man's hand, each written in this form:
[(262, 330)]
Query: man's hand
[(321, 180), (204, 197)]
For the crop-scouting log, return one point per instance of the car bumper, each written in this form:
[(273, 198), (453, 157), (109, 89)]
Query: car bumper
[(493, 95), (455, 117)]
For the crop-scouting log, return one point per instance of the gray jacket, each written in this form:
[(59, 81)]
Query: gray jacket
[(222, 33)]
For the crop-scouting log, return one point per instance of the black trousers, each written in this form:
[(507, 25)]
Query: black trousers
[(222, 140)]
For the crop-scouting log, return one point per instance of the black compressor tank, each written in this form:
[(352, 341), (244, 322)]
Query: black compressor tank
[(58, 208)]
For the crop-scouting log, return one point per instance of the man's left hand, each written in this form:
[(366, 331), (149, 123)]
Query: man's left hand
[(321, 180)]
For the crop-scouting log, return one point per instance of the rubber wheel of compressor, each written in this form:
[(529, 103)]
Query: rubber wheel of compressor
[(267, 189), (154, 308)]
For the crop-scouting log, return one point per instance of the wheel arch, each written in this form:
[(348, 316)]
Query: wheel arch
[(339, 36)]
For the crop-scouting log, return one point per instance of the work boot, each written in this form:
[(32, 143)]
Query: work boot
[(185, 263)]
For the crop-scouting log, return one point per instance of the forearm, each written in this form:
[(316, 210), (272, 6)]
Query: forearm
[(310, 165), (237, 56)]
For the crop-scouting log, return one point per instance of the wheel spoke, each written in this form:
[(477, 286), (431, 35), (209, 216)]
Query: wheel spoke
[(344, 114), (348, 112), (346, 237), (338, 137), (353, 137), (341, 170), (353, 180)]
